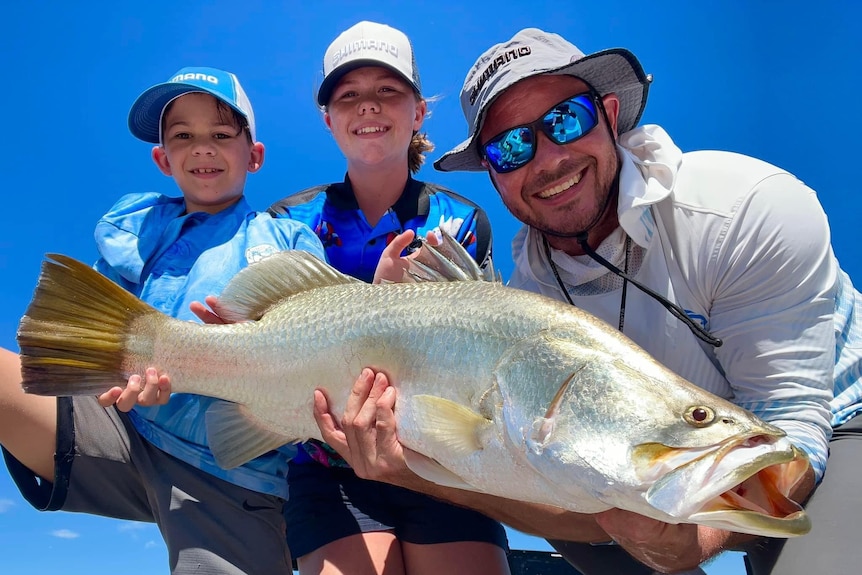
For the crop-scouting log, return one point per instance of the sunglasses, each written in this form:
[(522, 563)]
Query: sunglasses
[(566, 122)]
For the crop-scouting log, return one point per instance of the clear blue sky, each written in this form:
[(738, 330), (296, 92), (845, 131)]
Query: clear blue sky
[(774, 79)]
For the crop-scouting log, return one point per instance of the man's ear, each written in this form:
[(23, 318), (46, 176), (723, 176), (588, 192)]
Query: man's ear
[(612, 109), (160, 158), (327, 120), (256, 160)]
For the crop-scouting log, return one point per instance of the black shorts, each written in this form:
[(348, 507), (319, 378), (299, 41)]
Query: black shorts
[(329, 503)]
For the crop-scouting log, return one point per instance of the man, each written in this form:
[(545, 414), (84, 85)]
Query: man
[(748, 300)]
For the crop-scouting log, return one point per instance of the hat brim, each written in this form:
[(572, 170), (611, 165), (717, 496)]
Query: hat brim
[(145, 115), (616, 71), (324, 93)]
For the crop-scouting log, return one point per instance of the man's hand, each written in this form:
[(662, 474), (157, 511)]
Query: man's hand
[(153, 389), (665, 547)]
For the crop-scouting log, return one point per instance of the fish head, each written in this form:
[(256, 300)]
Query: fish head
[(636, 436)]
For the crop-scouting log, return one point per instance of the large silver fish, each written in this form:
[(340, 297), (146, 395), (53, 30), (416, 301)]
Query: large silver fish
[(500, 391)]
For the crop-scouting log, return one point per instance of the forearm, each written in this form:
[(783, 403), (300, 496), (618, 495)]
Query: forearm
[(532, 518)]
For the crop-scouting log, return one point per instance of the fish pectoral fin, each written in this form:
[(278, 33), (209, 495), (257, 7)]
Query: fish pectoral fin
[(236, 436), (452, 425), (432, 471)]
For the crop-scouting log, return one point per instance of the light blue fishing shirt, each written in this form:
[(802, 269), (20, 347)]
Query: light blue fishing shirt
[(168, 258)]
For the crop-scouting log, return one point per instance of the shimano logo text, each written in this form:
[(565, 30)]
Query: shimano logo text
[(364, 45), (492, 68), (195, 76)]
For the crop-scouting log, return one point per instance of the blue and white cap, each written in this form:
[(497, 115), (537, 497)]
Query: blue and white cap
[(145, 117)]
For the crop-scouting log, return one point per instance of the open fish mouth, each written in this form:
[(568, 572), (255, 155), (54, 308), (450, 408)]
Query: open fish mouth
[(741, 485), (761, 501)]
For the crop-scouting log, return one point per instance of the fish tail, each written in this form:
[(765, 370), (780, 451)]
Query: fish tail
[(74, 335)]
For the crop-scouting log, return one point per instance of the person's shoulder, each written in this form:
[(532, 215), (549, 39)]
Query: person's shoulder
[(284, 233), (731, 164), (304, 197), (431, 188), (138, 201), (718, 179)]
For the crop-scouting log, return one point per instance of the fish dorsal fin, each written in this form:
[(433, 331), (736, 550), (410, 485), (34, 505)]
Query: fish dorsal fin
[(236, 436), (257, 288), (449, 261)]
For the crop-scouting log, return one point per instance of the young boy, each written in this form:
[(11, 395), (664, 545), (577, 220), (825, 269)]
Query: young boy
[(153, 463)]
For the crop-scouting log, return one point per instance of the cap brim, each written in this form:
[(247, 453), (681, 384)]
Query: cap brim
[(146, 113), (615, 71), (324, 93)]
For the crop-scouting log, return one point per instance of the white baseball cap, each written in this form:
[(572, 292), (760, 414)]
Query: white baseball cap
[(368, 44)]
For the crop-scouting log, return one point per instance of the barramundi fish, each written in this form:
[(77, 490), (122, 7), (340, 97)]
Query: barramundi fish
[(499, 390)]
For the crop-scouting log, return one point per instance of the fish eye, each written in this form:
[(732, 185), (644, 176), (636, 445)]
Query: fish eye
[(699, 415)]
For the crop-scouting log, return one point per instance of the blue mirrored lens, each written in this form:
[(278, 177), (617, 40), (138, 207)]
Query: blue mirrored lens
[(563, 124), (512, 148), (569, 121)]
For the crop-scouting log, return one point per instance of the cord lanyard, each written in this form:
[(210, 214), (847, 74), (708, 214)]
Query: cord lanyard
[(671, 307), (566, 292)]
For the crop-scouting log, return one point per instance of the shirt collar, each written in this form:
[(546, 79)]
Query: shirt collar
[(413, 201)]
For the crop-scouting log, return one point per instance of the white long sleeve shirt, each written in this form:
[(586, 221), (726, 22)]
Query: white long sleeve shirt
[(744, 248)]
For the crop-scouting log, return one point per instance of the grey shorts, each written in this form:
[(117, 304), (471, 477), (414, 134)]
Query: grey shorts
[(104, 467)]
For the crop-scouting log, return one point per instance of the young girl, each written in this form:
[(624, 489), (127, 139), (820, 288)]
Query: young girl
[(372, 104)]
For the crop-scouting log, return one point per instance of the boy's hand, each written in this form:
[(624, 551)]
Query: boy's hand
[(207, 314), (153, 389)]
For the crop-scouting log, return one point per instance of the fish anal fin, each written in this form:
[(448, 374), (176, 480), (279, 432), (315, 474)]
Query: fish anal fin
[(236, 436), (432, 471), (452, 425)]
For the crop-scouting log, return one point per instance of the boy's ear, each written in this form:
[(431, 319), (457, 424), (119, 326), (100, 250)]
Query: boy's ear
[(160, 157), (327, 120), (257, 154)]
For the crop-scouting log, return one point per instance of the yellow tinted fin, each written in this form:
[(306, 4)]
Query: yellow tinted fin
[(75, 332), (456, 427)]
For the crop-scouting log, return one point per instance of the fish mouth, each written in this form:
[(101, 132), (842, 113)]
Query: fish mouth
[(741, 485)]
